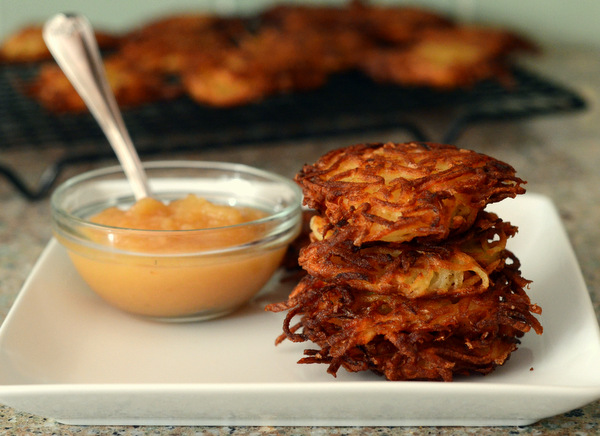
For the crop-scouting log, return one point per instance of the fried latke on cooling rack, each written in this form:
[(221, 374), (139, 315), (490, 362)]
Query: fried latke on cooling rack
[(447, 58), (131, 87), (226, 61), (273, 60), (171, 45), (260, 65), (444, 298), (396, 192)]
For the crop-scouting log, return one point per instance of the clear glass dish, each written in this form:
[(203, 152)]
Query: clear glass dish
[(178, 275)]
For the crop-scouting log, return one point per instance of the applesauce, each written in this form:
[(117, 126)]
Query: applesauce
[(177, 286), (177, 257), (189, 213)]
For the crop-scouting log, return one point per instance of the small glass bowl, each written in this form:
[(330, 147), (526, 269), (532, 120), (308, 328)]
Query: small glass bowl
[(195, 274)]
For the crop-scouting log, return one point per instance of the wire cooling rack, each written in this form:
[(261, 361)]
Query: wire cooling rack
[(348, 103)]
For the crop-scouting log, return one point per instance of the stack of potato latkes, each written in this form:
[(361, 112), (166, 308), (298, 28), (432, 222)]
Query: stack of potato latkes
[(407, 275)]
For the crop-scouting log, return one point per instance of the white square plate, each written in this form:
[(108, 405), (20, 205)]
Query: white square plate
[(65, 354)]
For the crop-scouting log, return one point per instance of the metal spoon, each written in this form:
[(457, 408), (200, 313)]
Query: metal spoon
[(72, 42)]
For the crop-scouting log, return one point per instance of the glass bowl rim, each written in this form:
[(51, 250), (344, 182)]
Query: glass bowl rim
[(283, 214)]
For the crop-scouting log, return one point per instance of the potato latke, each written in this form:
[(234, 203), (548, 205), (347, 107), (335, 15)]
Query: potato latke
[(225, 61), (397, 192), (406, 274), (460, 266)]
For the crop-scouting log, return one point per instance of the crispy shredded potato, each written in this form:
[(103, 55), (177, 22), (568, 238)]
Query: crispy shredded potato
[(406, 274), (410, 339), (460, 266), (397, 192)]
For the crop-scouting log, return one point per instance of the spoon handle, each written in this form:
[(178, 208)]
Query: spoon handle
[(71, 41)]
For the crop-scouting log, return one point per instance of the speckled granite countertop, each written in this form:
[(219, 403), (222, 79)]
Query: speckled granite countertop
[(559, 156)]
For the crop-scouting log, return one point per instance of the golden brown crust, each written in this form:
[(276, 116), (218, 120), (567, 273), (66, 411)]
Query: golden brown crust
[(397, 192), (443, 298), (410, 339), (458, 266)]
